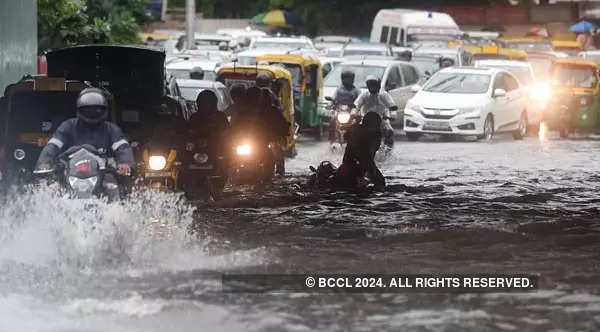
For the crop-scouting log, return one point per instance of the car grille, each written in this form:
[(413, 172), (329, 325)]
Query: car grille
[(438, 116)]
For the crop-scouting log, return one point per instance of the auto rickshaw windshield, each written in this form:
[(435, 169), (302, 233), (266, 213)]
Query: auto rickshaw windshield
[(574, 76), (295, 70)]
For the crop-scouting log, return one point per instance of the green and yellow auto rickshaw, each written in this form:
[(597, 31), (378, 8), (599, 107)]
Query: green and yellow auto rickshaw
[(307, 84), (281, 85), (574, 104)]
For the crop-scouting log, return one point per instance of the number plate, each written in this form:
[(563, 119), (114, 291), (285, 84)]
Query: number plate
[(436, 125), (195, 166), (159, 175)]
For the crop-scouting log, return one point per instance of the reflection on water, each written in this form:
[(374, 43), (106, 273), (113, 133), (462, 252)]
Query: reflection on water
[(451, 207)]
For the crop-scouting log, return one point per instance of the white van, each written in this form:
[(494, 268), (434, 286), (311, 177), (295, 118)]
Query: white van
[(404, 27)]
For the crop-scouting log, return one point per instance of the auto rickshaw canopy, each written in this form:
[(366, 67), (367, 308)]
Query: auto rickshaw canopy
[(493, 51)]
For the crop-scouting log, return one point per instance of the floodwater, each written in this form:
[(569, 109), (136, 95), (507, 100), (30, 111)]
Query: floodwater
[(154, 263)]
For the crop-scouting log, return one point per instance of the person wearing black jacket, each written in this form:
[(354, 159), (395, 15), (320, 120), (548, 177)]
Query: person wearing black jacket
[(90, 127)]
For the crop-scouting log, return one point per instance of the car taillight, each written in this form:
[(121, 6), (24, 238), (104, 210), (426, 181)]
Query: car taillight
[(83, 168)]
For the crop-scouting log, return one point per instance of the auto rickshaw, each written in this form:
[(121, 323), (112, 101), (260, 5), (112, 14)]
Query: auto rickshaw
[(574, 103), (281, 85), (307, 84), (494, 52), (569, 47), (31, 110), (528, 44)]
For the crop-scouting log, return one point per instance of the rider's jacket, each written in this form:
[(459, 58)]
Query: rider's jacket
[(343, 96), (106, 137)]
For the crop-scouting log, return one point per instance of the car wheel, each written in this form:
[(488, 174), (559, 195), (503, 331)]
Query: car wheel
[(412, 137), (522, 130), (488, 128)]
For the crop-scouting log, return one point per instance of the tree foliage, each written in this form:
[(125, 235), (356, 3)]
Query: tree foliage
[(64, 23)]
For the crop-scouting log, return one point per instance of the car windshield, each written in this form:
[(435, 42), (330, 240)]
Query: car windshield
[(185, 74), (294, 69), (333, 52), (541, 67), (190, 93), (530, 46), (426, 64), (278, 44), (574, 76), (453, 56), (359, 51), (458, 83), (524, 75), (334, 79)]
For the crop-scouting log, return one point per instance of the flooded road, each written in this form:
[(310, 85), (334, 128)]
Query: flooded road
[(452, 207)]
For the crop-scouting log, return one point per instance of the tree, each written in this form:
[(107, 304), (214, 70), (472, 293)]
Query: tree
[(64, 23)]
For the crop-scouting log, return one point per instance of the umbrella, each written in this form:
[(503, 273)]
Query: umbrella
[(277, 18), (583, 27)]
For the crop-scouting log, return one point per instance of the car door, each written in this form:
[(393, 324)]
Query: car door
[(500, 104), (516, 100)]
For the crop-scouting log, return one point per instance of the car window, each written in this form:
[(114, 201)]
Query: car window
[(510, 82), (394, 36), (499, 82), (384, 34), (410, 75), (394, 80), (326, 69)]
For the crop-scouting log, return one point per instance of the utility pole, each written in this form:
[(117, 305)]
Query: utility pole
[(190, 19)]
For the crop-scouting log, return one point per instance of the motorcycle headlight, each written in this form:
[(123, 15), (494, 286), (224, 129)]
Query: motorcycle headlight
[(540, 92), (201, 157), (343, 117), (157, 163), (244, 149), (82, 185)]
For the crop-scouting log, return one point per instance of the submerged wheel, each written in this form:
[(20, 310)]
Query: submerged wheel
[(488, 129), (522, 130)]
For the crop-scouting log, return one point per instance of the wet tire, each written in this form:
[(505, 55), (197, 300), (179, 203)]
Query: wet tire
[(522, 130), (412, 137), (488, 129)]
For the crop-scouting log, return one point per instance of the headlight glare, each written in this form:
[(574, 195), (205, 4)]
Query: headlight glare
[(343, 117), (540, 92), (157, 163), (244, 149)]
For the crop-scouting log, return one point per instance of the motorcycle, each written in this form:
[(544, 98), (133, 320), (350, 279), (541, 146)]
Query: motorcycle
[(328, 176), (81, 170), (203, 171), (252, 162), (342, 117)]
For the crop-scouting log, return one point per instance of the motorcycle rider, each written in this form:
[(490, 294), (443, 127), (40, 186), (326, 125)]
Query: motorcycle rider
[(363, 141), (238, 96), (380, 102), (90, 127), (277, 127), (446, 62), (263, 81), (343, 95)]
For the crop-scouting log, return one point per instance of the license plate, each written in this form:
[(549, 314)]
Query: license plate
[(159, 175), (193, 166), (436, 125)]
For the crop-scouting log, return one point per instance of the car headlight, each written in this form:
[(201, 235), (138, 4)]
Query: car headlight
[(244, 149), (468, 110), (343, 117), (540, 92), (412, 107), (157, 163)]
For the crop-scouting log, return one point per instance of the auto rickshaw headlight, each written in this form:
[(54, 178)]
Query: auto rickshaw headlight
[(157, 163), (540, 91), (19, 154), (244, 149), (343, 117)]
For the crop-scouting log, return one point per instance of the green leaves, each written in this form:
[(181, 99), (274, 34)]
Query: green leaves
[(63, 23)]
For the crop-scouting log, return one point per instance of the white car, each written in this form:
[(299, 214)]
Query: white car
[(366, 49), (189, 89), (537, 93), (290, 43), (180, 67), (468, 102)]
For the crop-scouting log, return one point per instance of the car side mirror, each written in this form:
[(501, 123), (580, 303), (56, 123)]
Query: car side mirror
[(391, 86), (394, 108), (328, 98), (499, 93), (415, 88)]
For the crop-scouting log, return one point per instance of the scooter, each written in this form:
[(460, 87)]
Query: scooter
[(342, 117), (81, 170), (203, 172), (252, 161)]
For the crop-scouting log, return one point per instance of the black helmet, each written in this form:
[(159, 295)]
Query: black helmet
[(348, 78), (92, 106), (263, 80), (446, 62), (207, 101), (373, 84)]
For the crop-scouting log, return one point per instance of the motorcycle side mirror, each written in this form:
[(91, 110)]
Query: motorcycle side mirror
[(394, 108), (313, 169), (415, 88), (328, 98)]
